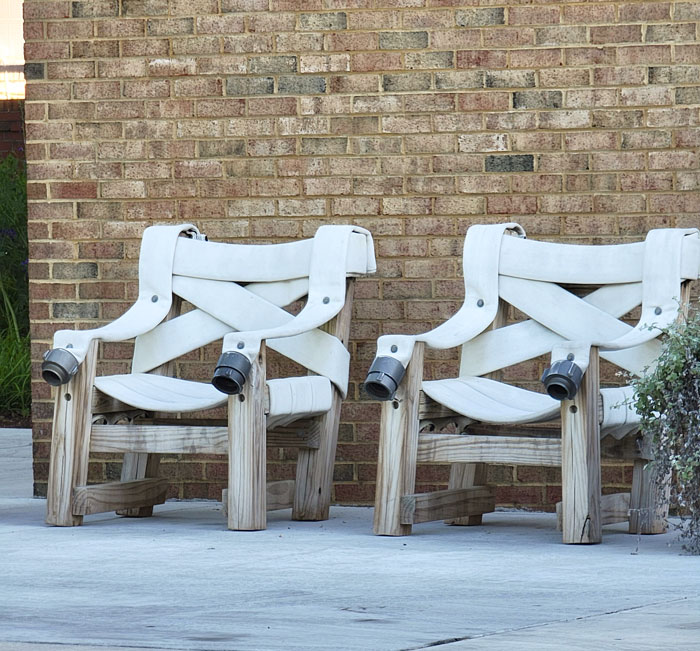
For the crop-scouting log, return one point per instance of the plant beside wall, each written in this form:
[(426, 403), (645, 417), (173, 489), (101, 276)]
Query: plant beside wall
[(15, 362), (668, 400)]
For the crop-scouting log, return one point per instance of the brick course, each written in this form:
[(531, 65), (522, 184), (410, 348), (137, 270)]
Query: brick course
[(11, 127), (262, 119)]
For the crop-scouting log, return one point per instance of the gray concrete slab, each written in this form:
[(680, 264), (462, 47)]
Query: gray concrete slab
[(672, 625), (15, 462), (180, 580)]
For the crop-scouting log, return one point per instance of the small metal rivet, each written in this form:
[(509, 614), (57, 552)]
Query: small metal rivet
[(69, 345), (154, 299), (570, 357), (573, 409), (68, 396), (658, 311), (240, 345), (326, 300), (480, 302), (241, 397), (394, 348), (395, 404)]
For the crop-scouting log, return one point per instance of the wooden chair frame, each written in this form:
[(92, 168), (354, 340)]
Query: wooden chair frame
[(86, 421), (573, 443)]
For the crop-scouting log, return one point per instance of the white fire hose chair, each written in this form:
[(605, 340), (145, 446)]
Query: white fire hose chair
[(236, 293), (573, 298)]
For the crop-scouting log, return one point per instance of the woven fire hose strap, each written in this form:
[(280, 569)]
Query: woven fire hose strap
[(661, 301), (326, 297), (154, 299), (480, 262)]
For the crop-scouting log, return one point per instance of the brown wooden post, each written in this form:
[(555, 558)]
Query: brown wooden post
[(314, 476), (70, 443), (649, 500), (146, 465), (398, 443), (651, 494), (246, 496), (468, 475), (580, 465)]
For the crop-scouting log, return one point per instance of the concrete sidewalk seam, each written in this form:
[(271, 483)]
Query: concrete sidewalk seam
[(506, 631)]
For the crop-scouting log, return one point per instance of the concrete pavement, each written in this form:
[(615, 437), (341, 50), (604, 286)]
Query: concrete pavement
[(15, 462), (180, 580)]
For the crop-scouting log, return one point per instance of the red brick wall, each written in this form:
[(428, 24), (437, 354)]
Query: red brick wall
[(11, 127), (261, 119)]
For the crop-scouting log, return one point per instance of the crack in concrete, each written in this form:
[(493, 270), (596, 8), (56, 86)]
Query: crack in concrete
[(452, 640)]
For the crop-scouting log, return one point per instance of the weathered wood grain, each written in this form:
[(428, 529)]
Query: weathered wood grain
[(190, 439), (580, 466), (70, 443), (161, 439), (467, 448), (398, 441), (613, 508), (140, 466), (280, 495), (247, 496), (111, 496), (467, 475), (651, 494), (438, 505), (314, 474)]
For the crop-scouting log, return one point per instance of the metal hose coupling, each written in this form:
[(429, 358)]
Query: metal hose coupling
[(562, 379), (231, 372), (58, 367), (384, 377)]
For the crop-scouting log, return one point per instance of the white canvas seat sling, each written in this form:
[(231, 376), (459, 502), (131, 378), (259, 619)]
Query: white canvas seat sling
[(573, 298), (235, 293)]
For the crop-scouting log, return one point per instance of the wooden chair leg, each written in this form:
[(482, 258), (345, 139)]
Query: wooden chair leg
[(247, 500), (139, 466), (467, 475), (649, 500), (650, 496), (70, 443), (581, 488), (143, 465), (398, 444), (314, 476)]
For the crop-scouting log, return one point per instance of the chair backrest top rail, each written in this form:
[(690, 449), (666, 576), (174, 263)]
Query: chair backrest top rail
[(258, 262), (586, 264)]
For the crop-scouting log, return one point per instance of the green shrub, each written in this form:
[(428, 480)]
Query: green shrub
[(15, 363), (668, 400)]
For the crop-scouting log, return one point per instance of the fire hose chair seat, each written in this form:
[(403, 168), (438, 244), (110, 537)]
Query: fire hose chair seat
[(236, 294), (489, 401), (578, 302), (289, 398)]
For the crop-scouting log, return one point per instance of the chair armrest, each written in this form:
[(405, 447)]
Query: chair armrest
[(394, 351), (70, 346), (480, 261), (151, 306), (329, 268), (241, 348)]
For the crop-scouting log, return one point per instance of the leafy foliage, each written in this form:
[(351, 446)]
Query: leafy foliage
[(15, 363), (668, 400)]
